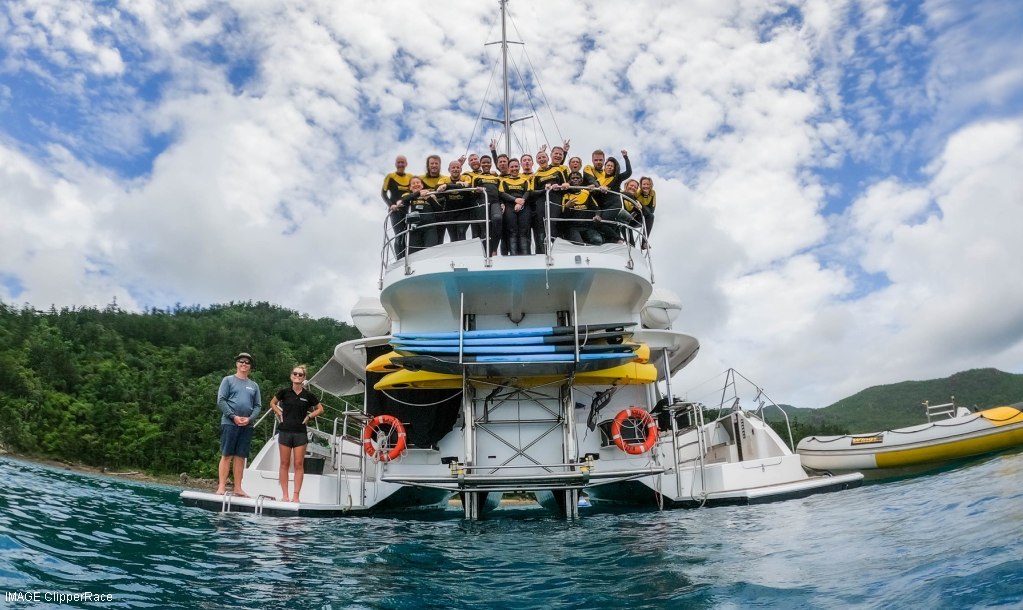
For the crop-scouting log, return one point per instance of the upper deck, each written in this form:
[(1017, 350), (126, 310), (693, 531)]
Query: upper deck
[(438, 287)]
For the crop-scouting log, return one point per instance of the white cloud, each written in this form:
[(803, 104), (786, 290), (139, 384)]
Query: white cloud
[(268, 189)]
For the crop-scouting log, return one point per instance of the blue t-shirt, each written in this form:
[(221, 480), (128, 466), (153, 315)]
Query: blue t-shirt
[(239, 396)]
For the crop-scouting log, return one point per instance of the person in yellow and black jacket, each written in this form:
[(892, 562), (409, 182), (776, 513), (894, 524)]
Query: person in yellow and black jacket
[(431, 180), (395, 185), (544, 179), (581, 212), (575, 164), (647, 198), (558, 154), (458, 201), (489, 184), (526, 165), (630, 191), (610, 181), (423, 209), (591, 172), (517, 215)]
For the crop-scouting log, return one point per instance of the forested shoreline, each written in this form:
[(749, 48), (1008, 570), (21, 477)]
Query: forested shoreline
[(137, 391), (122, 390)]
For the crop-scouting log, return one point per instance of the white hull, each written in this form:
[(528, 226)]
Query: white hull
[(739, 460), (338, 481), (480, 437)]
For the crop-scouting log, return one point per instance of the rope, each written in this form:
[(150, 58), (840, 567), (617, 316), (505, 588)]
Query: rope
[(413, 404)]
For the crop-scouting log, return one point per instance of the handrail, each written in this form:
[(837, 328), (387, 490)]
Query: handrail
[(390, 237), (638, 232), (948, 409), (761, 397), (696, 420)]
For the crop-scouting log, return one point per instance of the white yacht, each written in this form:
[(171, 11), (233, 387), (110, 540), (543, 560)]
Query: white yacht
[(548, 373)]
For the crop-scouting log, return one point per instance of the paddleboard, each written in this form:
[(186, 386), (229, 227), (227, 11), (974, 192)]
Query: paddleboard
[(610, 336), (537, 331), (511, 350)]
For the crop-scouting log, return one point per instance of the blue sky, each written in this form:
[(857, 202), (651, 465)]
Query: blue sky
[(840, 181)]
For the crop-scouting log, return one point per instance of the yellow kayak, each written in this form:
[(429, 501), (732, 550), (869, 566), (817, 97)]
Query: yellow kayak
[(382, 364), (632, 373)]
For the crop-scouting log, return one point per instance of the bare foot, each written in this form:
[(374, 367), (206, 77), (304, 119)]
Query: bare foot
[(220, 491), (294, 498), (241, 494)]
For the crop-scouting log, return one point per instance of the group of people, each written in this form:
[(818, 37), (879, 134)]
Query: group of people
[(584, 204), (240, 402)]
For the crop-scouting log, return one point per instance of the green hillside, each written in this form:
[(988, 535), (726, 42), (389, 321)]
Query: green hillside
[(138, 391), (901, 404)]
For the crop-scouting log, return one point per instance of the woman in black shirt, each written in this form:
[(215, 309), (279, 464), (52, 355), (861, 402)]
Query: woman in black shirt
[(294, 407)]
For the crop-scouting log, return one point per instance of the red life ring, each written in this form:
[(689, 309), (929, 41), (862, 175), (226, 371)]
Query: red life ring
[(369, 435), (645, 419)]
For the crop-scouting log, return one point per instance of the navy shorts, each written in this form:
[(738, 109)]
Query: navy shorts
[(292, 439), (235, 440)]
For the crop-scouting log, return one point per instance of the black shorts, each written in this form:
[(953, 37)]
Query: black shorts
[(292, 439)]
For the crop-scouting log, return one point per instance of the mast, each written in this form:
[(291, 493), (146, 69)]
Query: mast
[(506, 121), (504, 65)]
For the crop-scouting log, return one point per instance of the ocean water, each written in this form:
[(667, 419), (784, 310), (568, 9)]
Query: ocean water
[(948, 540)]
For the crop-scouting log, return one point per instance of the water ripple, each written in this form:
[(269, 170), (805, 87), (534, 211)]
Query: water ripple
[(919, 542)]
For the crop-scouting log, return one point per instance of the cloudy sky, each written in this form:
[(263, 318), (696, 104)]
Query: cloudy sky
[(840, 181)]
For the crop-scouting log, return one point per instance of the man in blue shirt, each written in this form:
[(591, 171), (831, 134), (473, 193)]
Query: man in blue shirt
[(240, 401)]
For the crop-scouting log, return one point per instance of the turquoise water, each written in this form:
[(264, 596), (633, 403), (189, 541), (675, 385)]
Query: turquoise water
[(953, 539)]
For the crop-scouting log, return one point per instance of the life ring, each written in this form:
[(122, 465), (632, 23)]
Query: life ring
[(370, 432), (645, 419)]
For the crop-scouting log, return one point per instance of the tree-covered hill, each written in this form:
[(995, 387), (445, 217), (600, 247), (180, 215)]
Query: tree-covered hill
[(138, 390)]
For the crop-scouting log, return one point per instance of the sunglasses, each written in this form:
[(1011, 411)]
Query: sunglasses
[(248, 362), (299, 373)]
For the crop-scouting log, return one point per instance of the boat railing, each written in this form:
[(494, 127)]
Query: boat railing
[(729, 393), (942, 411), (478, 212), (349, 425), (397, 240), (632, 231)]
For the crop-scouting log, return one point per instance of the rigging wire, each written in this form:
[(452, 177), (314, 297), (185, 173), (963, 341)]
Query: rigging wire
[(486, 95), (483, 105), (543, 94), (529, 99)]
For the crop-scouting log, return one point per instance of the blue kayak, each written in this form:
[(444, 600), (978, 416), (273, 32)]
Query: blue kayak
[(609, 336), (538, 331)]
